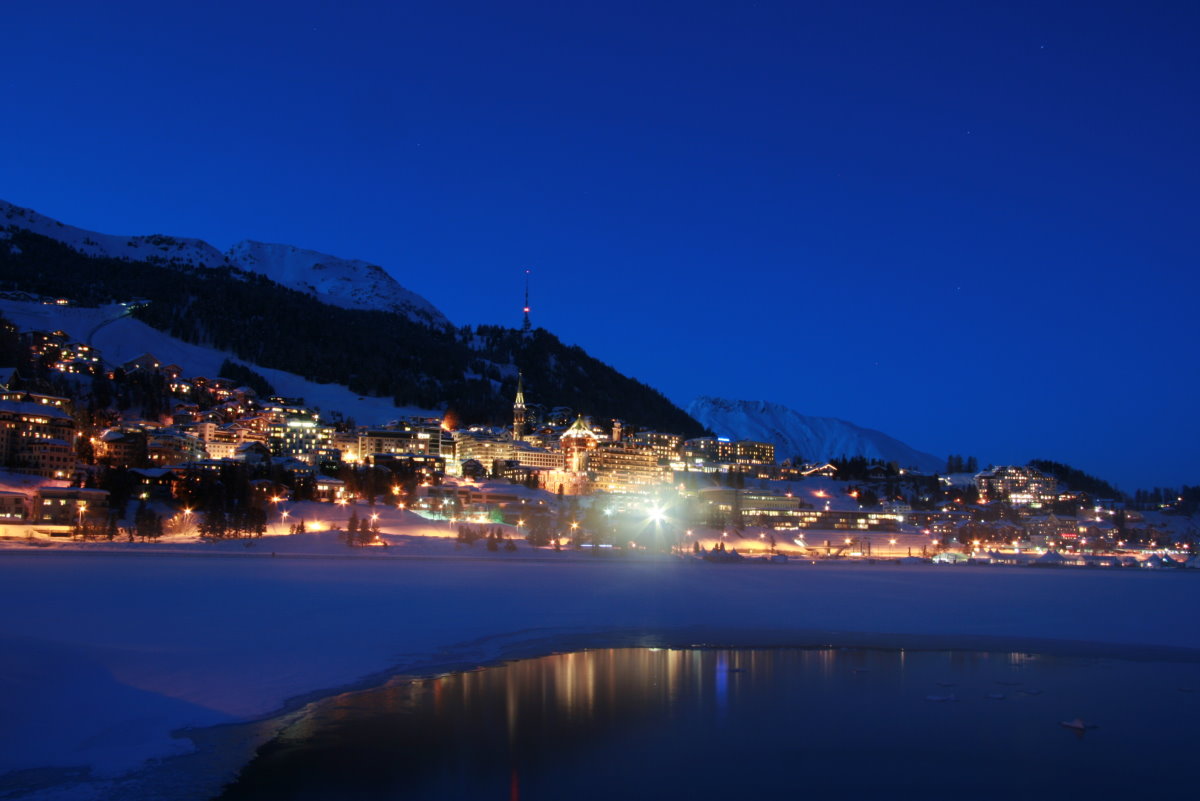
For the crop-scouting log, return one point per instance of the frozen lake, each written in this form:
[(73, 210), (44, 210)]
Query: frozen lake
[(769, 723), (114, 665)]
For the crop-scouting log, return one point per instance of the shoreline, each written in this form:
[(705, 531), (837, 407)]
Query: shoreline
[(221, 751)]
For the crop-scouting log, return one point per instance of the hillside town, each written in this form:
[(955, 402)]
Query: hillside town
[(142, 450)]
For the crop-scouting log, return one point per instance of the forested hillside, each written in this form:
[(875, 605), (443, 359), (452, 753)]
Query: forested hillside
[(470, 371)]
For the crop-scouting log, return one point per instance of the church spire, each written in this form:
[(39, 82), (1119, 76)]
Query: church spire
[(519, 409)]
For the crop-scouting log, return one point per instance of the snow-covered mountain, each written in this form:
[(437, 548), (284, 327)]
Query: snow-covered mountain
[(795, 434), (350, 284), (155, 248)]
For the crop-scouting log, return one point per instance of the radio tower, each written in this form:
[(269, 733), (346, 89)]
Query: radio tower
[(525, 326)]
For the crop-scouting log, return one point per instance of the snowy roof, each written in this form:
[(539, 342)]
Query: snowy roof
[(579, 430), (151, 472), (25, 407)]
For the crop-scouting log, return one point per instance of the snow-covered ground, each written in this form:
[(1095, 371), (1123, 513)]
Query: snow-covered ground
[(125, 338), (104, 655)]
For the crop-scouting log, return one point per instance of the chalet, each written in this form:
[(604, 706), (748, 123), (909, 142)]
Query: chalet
[(330, 490), (145, 363), (154, 482)]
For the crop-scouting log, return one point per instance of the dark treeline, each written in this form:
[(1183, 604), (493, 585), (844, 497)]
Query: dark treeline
[(246, 378), (371, 352), (956, 463), (1077, 479), (1185, 499)]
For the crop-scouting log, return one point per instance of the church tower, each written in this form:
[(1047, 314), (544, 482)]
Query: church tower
[(519, 410), (576, 442)]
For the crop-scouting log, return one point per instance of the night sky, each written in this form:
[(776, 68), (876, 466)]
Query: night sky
[(972, 226)]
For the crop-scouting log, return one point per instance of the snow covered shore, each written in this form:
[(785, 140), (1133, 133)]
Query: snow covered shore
[(104, 655)]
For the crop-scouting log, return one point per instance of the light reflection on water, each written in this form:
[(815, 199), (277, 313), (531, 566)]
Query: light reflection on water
[(712, 723)]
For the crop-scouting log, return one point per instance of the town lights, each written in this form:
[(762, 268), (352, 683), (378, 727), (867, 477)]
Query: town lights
[(656, 515)]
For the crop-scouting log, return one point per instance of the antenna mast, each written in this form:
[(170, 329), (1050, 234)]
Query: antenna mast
[(525, 326)]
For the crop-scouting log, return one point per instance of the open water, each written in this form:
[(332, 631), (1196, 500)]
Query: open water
[(640, 723)]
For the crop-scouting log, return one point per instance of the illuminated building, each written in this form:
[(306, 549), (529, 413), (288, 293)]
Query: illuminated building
[(755, 507), (66, 506), (77, 358), (222, 441), (577, 443), (414, 436), (299, 434), (144, 363), (527, 455), (519, 415), (664, 447), (726, 451), (614, 468), (37, 437), (13, 505), (1019, 486)]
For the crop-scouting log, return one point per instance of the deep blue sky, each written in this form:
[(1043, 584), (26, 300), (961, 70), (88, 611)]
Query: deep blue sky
[(970, 225)]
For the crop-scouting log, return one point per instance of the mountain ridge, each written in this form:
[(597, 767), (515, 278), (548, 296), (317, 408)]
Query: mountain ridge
[(812, 438), (347, 283)]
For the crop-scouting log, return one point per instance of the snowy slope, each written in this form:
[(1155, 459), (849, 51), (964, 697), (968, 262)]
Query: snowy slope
[(155, 248), (795, 434), (121, 339), (349, 283)]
